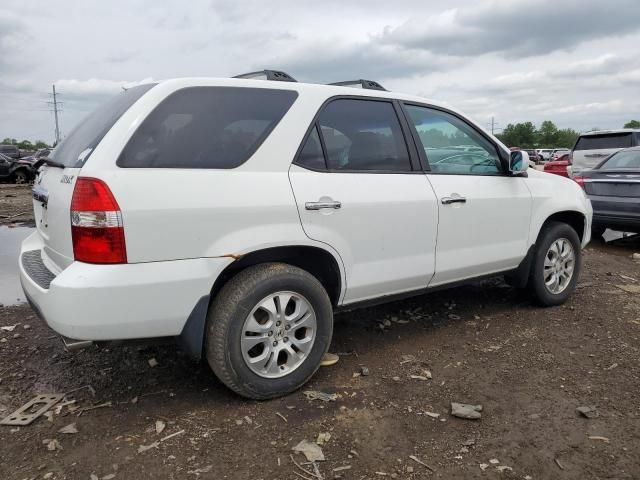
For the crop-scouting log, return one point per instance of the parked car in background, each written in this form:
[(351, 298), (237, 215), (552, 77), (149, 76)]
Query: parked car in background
[(593, 147), (613, 186), (545, 153), (16, 171), (534, 156), (236, 215), (559, 166), (558, 152), (11, 151)]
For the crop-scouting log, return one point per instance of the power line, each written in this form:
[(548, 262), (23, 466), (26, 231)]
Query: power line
[(493, 125)]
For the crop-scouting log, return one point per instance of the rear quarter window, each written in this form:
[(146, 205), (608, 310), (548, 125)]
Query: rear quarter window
[(206, 127), (602, 142)]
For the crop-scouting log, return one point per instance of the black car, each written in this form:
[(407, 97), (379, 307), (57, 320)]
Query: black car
[(11, 151), (16, 171), (613, 186)]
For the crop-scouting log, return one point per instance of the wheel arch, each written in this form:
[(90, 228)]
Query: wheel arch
[(319, 262), (575, 219)]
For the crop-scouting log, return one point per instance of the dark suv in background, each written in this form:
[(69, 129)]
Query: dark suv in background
[(15, 170), (11, 151)]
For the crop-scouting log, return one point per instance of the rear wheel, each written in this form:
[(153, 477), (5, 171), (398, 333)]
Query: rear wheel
[(556, 264), (268, 329)]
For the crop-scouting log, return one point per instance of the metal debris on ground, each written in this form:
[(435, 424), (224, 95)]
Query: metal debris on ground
[(588, 412), (364, 371), (464, 410), (597, 437), (418, 377), (407, 359), (9, 328), (93, 407), (198, 471), (502, 468), (310, 450), (144, 448), (179, 432), (160, 426), (417, 460), (52, 444), (152, 362), (20, 417), (317, 395), (282, 417), (69, 429), (323, 437)]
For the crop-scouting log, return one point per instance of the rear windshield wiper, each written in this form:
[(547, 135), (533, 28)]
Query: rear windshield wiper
[(49, 162)]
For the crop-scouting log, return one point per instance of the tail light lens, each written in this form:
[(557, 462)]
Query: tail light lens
[(579, 180), (96, 223)]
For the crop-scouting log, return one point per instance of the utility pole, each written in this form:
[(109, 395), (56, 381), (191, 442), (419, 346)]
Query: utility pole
[(55, 113), (493, 123)]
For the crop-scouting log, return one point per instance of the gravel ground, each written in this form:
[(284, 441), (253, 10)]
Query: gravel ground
[(530, 368)]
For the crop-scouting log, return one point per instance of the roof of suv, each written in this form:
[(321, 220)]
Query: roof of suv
[(328, 90), (608, 132)]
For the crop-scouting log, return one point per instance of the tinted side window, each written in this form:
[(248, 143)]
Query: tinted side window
[(363, 135), (451, 145), (596, 142), (311, 155), (206, 127)]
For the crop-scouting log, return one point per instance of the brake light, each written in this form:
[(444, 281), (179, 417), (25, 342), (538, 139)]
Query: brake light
[(96, 223), (579, 180)]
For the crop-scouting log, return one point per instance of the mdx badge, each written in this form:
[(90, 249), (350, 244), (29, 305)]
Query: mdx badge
[(66, 178)]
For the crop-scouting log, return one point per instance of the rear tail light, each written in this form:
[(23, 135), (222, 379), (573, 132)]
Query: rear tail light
[(96, 223), (579, 180)]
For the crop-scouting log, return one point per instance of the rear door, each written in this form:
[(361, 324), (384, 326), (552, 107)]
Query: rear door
[(590, 150), (53, 187), (484, 215), (359, 188)]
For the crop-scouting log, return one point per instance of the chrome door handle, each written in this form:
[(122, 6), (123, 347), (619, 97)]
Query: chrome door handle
[(449, 200), (320, 205)]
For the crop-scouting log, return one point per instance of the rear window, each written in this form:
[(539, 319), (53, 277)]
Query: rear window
[(75, 149), (629, 159), (206, 127), (610, 140)]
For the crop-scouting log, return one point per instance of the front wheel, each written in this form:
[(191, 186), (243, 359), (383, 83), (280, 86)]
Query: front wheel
[(20, 177), (268, 329), (556, 264)]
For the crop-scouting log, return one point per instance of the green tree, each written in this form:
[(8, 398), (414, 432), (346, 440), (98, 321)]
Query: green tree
[(521, 135), (9, 141), (566, 138), (632, 124), (40, 144), (25, 145), (547, 135)]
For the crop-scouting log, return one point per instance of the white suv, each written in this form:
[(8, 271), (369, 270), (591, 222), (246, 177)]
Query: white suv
[(237, 215), (593, 147)]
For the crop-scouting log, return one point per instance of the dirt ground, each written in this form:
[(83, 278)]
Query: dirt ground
[(16, 204), (530, 368)]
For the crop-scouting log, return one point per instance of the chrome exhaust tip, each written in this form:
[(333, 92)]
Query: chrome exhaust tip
[(72, 345)]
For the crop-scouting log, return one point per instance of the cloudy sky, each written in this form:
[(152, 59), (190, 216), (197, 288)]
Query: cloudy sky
[(575, 62)]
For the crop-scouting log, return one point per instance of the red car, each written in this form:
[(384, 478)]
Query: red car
[(559, 166)]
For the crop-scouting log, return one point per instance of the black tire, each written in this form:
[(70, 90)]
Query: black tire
[(234, 303), (549, 234), (20, 177)]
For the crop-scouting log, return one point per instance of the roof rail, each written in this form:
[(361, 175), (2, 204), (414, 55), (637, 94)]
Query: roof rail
[(275, 75), (361, 83)]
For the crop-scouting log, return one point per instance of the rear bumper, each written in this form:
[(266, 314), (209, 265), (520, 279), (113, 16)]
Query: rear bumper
[(116, 302)]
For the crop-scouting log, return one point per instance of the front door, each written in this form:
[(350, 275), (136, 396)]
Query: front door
[(484, 214), (358, 190)]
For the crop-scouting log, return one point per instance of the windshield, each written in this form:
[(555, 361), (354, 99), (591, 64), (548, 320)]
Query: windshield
[(611, 140), (629, 159), (75, 149)]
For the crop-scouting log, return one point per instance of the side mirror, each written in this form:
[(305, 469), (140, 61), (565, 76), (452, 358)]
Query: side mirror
[(518, 162)]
